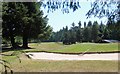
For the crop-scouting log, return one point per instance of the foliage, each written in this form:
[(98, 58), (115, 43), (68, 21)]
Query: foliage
[(99, 8), (30, 23), (102, 8), (95, 31), (90, 33), (79, 35), (64, 5)]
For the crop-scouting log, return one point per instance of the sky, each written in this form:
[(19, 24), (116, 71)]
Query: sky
[(58, 20)]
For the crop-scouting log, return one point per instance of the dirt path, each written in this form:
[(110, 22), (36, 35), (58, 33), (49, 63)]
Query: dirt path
[(54, 56)]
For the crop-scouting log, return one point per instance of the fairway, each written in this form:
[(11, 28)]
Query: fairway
[(75, 48)]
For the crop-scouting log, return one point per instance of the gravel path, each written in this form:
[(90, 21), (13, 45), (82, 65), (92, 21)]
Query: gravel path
[(54, 56)]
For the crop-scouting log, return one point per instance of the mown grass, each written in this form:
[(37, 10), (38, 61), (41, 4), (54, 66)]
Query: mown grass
[(75, 48), (30, 65), (90, 47)]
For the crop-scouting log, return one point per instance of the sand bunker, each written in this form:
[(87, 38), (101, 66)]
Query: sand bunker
[(54, 56)]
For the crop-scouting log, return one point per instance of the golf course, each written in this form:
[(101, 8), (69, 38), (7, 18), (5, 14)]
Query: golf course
[(25, 64), (60, 36)]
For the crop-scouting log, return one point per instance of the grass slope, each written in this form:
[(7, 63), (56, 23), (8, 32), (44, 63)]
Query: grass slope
[(75, 48)]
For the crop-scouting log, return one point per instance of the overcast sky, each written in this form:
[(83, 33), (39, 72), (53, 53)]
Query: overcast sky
[(58, 20)]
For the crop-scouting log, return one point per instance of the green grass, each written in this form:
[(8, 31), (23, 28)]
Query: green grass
[(90, 47), (30, 65), (75, 48)]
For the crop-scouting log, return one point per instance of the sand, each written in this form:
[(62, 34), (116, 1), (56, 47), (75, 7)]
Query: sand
[(54, 56)]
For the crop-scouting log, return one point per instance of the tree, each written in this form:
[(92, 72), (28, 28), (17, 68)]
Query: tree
[(113, 29), (84, 24), (86, 34), (37, 24), (101, 27), (95, 31), (11, 24), (89, 26), (99, 8), (30, 23), (118, 30), (79, 33), (46, 34), (1, 20), (79, 24), (53, 5), (73, 34), (111, 10), (106, 34), (102, 8), (66, 39), (101, 30)]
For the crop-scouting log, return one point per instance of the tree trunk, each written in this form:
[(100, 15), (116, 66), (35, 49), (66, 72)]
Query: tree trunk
[(13, 41), (25, 39)]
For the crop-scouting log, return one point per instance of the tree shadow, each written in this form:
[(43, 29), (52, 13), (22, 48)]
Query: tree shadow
[(6, 49)]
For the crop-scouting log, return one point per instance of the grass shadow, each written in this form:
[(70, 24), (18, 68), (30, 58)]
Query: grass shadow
[(6, 49)]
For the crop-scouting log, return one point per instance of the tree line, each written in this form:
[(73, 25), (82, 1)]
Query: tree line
[(91, 32), (23, 19)]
